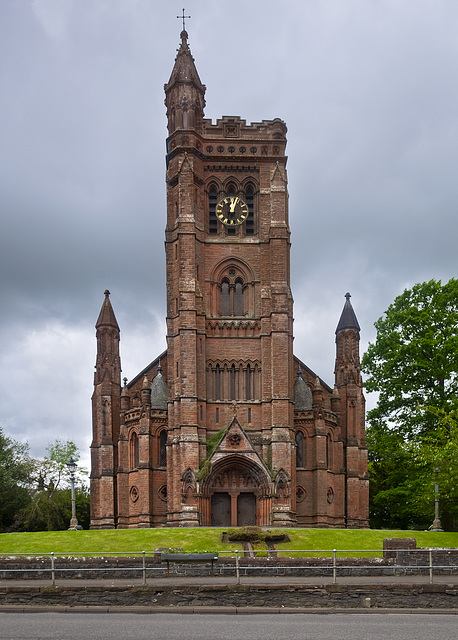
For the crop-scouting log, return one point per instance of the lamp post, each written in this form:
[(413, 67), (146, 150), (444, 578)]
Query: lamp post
[(74, 526), (436, 525)]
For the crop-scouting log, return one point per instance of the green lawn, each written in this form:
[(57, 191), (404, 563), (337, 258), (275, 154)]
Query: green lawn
[(372, 539), (131, 541)]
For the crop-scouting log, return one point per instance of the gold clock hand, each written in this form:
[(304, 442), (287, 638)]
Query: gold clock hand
[(233, 204)]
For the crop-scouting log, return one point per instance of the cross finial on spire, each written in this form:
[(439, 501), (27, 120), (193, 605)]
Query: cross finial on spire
[(348, 296), (183, 17)]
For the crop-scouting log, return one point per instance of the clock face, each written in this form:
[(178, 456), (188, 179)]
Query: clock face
[(232, 211)]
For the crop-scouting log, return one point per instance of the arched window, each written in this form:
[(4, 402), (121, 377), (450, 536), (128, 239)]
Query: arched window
[(233, 390), (162, 448), (217, 382), (225, 299), (215, 194), (134, 451), (248, 382), (299, 449), (232, 297), (328, 451), (249, 222), (238, 298), (212, 219)]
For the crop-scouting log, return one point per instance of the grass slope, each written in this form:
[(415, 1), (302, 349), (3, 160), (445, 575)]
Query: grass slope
[(130, 541)]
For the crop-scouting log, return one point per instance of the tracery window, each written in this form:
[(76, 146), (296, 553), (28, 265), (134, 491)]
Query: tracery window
[(232, 294)]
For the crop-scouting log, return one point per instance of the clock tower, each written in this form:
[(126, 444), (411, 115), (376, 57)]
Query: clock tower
[(229, 310), (228, 427)]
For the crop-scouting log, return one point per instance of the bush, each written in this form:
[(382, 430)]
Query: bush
[(256, 534)]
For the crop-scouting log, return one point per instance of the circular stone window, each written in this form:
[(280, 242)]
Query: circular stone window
[(301, 494)]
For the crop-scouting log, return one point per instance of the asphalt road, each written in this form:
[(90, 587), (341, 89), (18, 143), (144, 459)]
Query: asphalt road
[(76, 626)]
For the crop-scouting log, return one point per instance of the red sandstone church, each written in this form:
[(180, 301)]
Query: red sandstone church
[(227, 427)]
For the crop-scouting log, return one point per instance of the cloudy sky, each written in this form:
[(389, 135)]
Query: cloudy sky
[(369, 92)]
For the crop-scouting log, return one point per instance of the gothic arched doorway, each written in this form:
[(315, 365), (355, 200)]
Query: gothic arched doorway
[(236, 494)]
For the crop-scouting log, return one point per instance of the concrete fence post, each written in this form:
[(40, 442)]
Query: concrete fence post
[(53, 572)]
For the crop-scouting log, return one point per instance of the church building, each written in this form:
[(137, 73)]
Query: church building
[(227, 427)]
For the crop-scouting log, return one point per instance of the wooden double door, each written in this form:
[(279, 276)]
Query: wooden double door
[(233, 509)]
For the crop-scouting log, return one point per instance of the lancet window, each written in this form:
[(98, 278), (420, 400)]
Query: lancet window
[(134, 450), (162, 448), (234, 381), (300, 449), (232, 293)]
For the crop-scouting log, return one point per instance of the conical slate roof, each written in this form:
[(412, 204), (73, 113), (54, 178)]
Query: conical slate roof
[(348, 318), (106, 315)]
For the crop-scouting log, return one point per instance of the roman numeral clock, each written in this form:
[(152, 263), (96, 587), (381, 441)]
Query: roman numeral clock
[(231, 211)]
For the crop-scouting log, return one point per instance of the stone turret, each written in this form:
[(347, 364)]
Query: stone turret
[(184, 92), (347, 368), (349, 384), (105, 416)]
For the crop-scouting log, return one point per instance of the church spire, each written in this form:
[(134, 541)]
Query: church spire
[(347, 367), (105, 416), (348, 318), (106, 317), (184, 92), (108, 362)]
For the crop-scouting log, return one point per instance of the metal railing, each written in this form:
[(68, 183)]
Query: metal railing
[(148, 563)]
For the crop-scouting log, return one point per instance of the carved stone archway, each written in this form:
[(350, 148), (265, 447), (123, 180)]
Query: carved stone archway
[(237, 492)]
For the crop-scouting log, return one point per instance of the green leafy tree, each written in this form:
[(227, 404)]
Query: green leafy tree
[(438, 453), (413, 365), (50, 508), (15, 479)]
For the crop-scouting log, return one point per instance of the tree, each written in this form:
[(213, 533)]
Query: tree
[(52, 472), (412, 432), (395, 484), (413, 363), (438, 452), (15, 478), (50, 508)]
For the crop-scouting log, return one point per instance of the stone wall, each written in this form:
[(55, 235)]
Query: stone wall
[(436, 596), (412, 562)]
